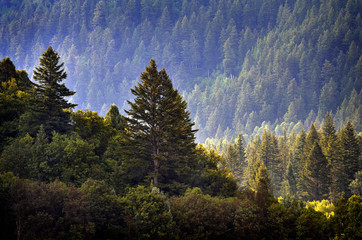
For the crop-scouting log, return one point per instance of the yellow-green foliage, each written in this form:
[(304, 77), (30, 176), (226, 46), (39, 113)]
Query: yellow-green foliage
[(324, 206)]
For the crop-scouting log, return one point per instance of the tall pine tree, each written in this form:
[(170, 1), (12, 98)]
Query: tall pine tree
[(351, 151), (158, 121), (49, 103), (332, 150), (315, 176)]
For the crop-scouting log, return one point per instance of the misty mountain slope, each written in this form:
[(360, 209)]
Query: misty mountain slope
[(240, 64)]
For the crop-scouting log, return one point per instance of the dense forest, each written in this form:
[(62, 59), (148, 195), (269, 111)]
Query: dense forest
[(240, 64), (94, 145), (76, 175)]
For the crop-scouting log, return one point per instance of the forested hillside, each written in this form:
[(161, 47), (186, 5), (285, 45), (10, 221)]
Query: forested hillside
[(97, 141), (76, 175), (240, 64)]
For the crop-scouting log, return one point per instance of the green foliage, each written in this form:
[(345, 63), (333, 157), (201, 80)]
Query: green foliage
[(49, 211), (15, 157), (312, 225), (114, 158), (68, 158), (49, 99), (347, 219), (106, 210), (351, 151), (334, 154), (211, 178), (14, 95), (200, 216), (114, 117), (324, 206), (356, 185), (147, 214), (315, 177), (159, 122), (92, 128), (268, 69)]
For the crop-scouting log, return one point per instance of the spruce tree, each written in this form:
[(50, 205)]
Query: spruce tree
[(268, 153), (351, 151), (159, 122), (50, 101), (264, 189), (315, 175), (233, 162), (289, 184), (240, 149), (332, 150)]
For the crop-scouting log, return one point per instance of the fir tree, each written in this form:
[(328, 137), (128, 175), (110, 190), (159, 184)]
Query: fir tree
[(315, 175), (158, 121), (240, 149), (351, 151), (332, 150), (269, 154), (50, 101), (264, 190)]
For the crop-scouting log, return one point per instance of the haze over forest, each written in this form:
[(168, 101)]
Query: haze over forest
[(100, 131), (239, 64)]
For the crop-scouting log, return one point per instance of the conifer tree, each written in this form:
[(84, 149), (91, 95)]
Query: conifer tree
[(332, 150), (311, 138), (240, 149), (315, 174), (268, 153), (264, 190), (351, 151), (50, 101), (15, 87), (231, 159), (289, 185), (159, 122), (114, 117)]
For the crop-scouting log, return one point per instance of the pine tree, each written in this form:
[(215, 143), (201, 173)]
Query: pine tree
[(240, 149), (49, 102), (264, 190), (351, 151), (315, 174), (158, 121), (332, 150), (289, 185), (311, 138), (269, 154)]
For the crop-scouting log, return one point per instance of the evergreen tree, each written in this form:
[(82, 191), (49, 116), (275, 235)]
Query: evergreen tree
[(268, 153), (114, 117), (264, 190), (310, 139), (159, 122), (15, 87), (315, 175), (50, 101), (332, 150), (231, 158), (289, 185), (351, 151), (240, 149)]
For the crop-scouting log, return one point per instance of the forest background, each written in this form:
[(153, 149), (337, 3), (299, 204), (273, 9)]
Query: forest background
[(241, 65), (273, 86)]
